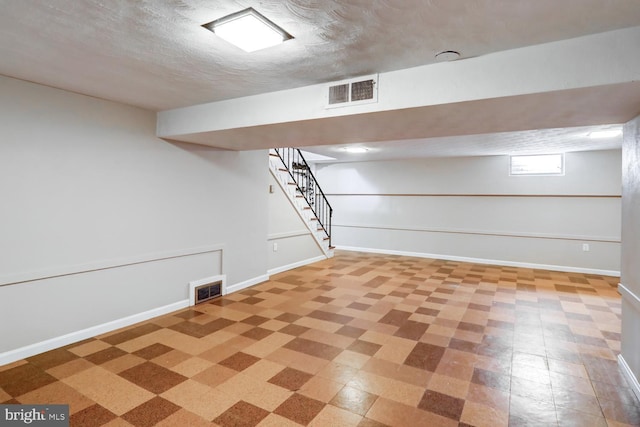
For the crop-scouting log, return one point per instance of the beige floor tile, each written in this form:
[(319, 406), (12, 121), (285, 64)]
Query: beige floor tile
[(108, 389), (89, 348), (449, 385), (321, 389), (483, 416), (191, 367), (263, 370), (332, 416), (259, 393), (203, 401), (69, 368)]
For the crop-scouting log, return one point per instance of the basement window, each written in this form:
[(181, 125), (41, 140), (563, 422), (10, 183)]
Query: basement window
[(543, 164)]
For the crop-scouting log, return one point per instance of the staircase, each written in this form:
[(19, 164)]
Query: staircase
[(293, 174)]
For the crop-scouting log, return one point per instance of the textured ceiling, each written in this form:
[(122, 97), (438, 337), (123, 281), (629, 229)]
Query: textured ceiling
[(155, 54), (546, 141)]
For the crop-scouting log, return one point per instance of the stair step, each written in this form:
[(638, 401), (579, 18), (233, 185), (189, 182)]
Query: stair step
[(326, 238), (283, 170), (307, 208), (332, 247), (273, 155)]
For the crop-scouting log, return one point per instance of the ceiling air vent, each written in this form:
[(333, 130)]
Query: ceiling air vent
[(361, 90)]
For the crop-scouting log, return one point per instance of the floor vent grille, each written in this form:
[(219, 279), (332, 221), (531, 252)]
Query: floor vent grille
[(208, 291), (207, 288)]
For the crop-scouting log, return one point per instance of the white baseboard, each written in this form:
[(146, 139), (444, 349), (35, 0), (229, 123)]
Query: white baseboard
[(629, 296), (628, 374), (246, 284), (53, 343), (551, 267), (295, 265)]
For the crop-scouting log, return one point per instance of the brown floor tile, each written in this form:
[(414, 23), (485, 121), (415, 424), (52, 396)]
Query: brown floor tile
[(442, 404), (153, 351), (52, 358), (300, 409), (364, 347), (242, 414), (294, 330), (23, 379), (425, 356), (57, 393), (105, 355), (151, 412), (395, 318), (291, 379), (313, 348), (129, 334), (350, 331), (239, 361), (412, 330), (153, 377), (94, 415)]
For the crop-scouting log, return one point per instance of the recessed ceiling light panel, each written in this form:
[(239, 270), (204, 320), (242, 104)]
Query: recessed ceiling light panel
[(248, 30), (356, 150), (608, 133)]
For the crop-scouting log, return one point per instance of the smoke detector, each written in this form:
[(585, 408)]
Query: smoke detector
[(447, 55)]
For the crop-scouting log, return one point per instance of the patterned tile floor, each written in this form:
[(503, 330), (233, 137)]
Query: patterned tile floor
[(358, 340)]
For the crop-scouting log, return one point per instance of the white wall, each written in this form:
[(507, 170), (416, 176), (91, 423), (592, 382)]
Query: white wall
[(630, 278), (295, 244), (101, 220), (470, 207)]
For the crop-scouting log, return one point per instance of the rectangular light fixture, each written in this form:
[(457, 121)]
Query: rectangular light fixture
[(609, 133), (248, 30)]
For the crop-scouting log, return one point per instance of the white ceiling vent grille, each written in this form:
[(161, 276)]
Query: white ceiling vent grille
[(361, 90)]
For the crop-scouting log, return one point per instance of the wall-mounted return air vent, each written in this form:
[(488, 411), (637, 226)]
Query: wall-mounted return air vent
[(206, 289), (209, 291), (361, 90)]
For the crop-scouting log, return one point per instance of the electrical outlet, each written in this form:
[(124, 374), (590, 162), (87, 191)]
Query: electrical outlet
[(585, 247), (275, 247)]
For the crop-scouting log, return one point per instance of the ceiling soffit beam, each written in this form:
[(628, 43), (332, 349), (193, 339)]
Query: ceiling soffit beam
[(593, 61), (569, 108)]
